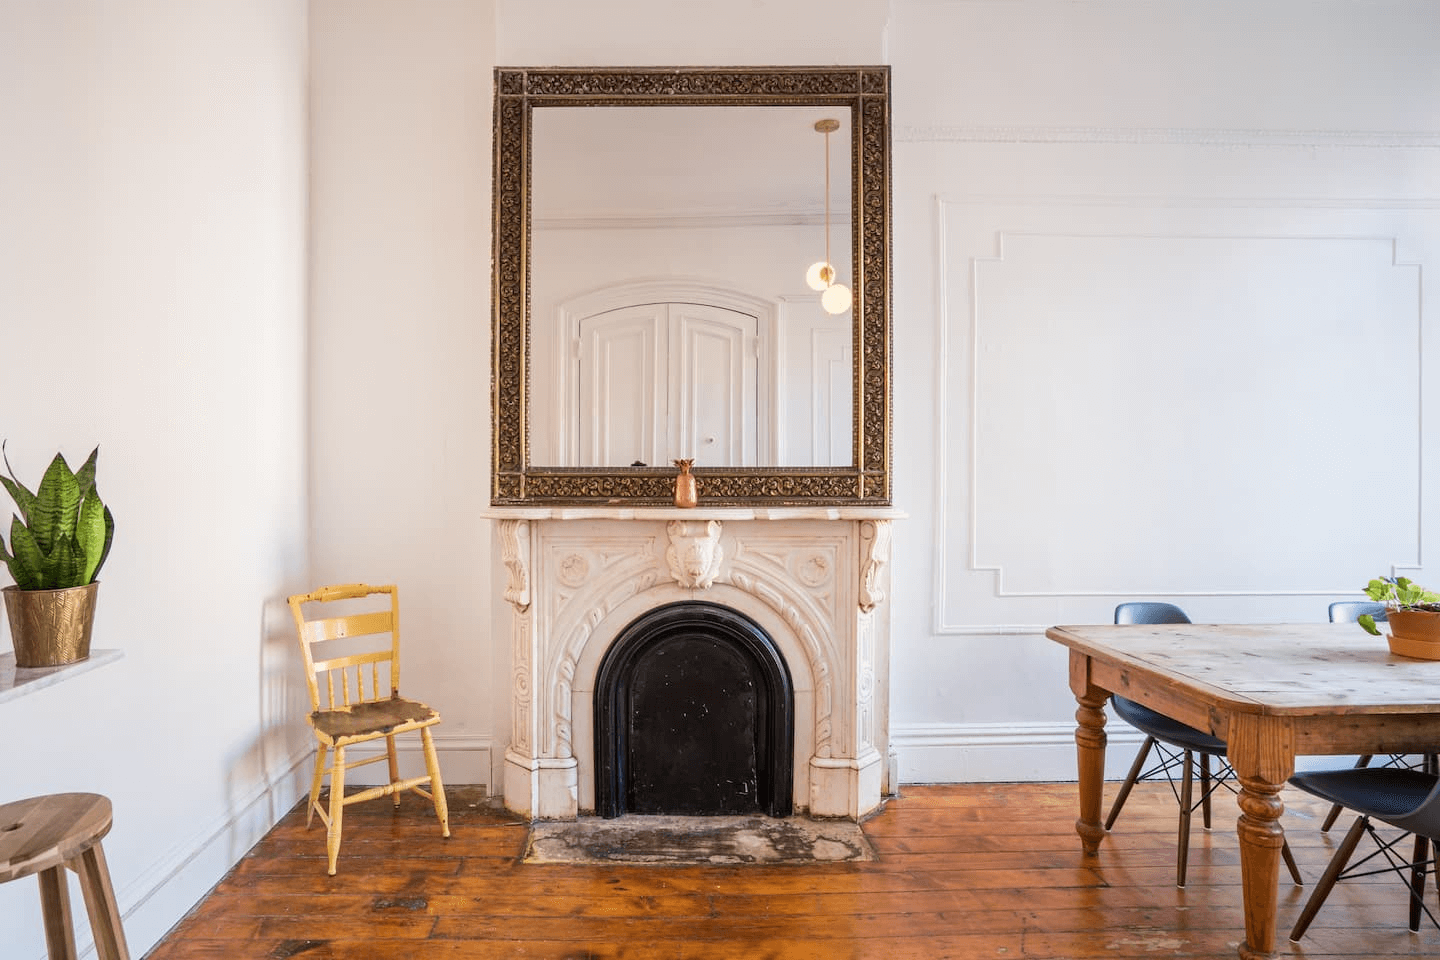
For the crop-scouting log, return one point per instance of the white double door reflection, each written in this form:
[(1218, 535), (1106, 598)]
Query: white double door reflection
[(661, 381)]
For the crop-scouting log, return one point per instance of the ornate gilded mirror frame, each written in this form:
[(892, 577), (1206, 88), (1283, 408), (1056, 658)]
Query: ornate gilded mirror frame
[(865, 91)]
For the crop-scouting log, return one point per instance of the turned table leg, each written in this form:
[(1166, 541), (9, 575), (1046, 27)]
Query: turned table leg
[(1089, 750), (1262, 751)]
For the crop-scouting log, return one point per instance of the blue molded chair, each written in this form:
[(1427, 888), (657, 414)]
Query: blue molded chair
[(1399, 796), (1176, 745)]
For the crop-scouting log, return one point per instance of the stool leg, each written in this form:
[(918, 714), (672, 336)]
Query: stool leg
[(55, 906), (100, 904)]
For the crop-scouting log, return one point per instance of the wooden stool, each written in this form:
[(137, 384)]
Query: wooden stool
[(44, 835)]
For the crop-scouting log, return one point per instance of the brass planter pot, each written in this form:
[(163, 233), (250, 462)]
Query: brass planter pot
[(51, 628)]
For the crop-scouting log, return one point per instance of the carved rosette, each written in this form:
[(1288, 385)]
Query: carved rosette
[(695, 554)]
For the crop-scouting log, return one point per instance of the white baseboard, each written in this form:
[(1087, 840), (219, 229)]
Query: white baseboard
[(1018, 752)]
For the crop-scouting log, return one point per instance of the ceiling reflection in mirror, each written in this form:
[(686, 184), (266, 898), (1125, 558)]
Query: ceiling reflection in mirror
[(653, 232), (670, 316)]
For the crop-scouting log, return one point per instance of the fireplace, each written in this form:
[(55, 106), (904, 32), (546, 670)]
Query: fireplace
[(801, 594), (693, 716)]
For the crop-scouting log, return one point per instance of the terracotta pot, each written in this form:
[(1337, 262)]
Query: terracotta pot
[(1415, 633), (51, 628), (1415, 624)]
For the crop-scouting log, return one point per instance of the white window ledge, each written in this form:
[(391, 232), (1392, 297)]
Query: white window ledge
[(16, 682)]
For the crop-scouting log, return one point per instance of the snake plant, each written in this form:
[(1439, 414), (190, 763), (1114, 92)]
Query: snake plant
[(62, 535)]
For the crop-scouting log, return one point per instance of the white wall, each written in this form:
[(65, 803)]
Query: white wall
[(1239, 197), (152, 301), (1068, 156), (399, 330)]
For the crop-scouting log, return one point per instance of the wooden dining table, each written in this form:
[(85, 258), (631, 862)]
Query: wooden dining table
[(1272, 692)]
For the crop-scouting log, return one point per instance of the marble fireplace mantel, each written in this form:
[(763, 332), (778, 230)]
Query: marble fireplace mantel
[(817, 579)]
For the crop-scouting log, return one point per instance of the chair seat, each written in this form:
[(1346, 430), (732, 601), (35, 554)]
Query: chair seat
[(1391, 794), (371, 717), (1161, 727)]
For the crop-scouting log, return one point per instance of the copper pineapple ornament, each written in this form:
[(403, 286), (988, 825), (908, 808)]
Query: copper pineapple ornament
[(686, 492)]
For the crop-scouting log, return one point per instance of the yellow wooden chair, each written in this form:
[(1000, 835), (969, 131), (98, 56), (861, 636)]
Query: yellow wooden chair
[(361, 701)]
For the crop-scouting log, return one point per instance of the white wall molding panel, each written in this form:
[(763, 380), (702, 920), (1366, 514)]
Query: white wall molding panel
[(1211, 399)]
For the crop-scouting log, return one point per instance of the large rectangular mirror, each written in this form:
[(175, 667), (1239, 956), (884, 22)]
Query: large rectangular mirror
[(653, 232)]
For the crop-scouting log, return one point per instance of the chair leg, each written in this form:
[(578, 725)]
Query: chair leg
[(437, 787), (337, 807), (394, 767), (100, 904), (1130, 778), (320, 753), (1205, 788), (55, 907), (1290, 862), (1417, 881), (1326, 883), (1334, 814), (1187, 788)]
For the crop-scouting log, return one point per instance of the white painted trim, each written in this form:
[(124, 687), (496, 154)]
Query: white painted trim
[(1019, 752), (1173, 136), (687, 220)]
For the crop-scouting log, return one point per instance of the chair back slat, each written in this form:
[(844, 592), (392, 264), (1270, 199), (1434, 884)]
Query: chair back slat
[(339, 648), (354, 625)]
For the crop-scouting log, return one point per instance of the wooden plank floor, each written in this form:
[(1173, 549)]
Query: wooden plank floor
[(965, 871)]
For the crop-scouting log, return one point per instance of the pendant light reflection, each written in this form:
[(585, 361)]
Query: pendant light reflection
[(834, 297)]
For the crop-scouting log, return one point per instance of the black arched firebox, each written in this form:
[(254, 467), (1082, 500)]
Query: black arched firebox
[(694, 716)]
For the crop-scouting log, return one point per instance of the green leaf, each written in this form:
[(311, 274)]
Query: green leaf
[(28, 566), (90, 534), (85, 476), (52, 516), (23, 498), (18, 491), (64, 565), (1368, 622), (105, 550)]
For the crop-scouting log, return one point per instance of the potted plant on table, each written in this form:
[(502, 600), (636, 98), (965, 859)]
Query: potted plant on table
[(58, 544), (1413, 613)]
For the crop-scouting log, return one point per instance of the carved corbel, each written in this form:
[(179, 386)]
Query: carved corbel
[(515, 552), (695, 554), (875, 554)]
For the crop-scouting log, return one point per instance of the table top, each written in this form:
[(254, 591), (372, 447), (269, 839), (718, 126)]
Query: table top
[(1299, 669)]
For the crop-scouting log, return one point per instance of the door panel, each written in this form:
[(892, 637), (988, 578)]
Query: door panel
[(660, 381)]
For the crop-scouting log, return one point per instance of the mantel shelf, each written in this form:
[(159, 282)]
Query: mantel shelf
[(16, 682), (692, 513)]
